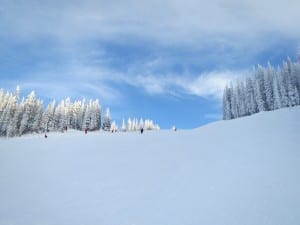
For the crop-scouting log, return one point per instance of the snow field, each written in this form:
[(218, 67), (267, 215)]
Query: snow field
[(243, 171)]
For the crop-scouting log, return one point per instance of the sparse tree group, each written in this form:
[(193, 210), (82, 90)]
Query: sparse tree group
[(132, 125), (136, 125), (269, 89)]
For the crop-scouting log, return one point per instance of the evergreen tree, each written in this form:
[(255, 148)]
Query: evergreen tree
[(251, 104), (276, 93), (259, 90), (87, 118), (227, 115), (283, 89), (106, 121), (36, 126), (31, 106), (292, 93), (14, 114), (242, 110), (234, 101), (123, 128), (4, 112), (95, 115), (129, 124), (47, 122), (268, 86), (113, 127)]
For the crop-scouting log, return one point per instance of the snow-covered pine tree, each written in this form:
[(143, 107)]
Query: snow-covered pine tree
[(259, 89), (129, 124), (123, 128), (234, 101), (48, 117), (282, 75), (8, 114), (106, 121), (95, 115), (251, 104), (268, 86), (4, 111), (149, 125), (134, 124), (67, 115), (36, 126), (227, 114), (57, 117), (31, 105), (78, 114), (113, 127), (241, 99), (14, 114), (276, 92), (295, 75), (292, 93), (87, 117)]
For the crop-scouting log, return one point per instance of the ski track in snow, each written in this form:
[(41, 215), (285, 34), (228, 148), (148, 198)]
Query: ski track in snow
[(238, 172)]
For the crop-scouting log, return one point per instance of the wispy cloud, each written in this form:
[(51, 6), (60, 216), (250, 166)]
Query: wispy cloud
[(212, 84), (78, 82), (168, 21), (204, 85), (83, 81)]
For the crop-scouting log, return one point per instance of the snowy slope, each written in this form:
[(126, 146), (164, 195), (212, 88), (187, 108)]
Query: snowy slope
[(239, 172)]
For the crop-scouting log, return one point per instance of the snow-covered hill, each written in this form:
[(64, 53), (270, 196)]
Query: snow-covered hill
[(239, 172)]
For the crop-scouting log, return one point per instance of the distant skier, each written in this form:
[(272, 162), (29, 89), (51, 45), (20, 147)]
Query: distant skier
[(46, 135), (85, 130), (142, 130)]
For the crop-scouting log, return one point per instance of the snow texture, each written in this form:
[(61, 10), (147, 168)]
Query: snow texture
[(243, 171)]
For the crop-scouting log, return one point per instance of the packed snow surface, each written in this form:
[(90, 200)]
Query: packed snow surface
[(238, 172)]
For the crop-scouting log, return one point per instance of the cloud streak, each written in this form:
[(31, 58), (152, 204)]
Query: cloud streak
[(168, 21), (204, 85), (82, 81)]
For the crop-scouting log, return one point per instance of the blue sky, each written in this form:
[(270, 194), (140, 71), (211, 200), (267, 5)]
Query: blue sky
[(165, 60)]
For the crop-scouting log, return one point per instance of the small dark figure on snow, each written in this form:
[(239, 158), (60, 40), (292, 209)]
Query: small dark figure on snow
[(46, 136), (85, 130), (142, 130)]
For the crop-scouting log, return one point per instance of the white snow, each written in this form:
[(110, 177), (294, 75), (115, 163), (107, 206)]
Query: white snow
[(238, 172)]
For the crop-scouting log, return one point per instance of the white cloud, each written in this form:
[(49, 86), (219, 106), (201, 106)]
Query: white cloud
[(204, 85), (212, 84), (76, 82), (166, 21), (57, 90), (82, 81)]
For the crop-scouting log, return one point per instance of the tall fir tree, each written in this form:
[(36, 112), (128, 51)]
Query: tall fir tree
[(107, 121)]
